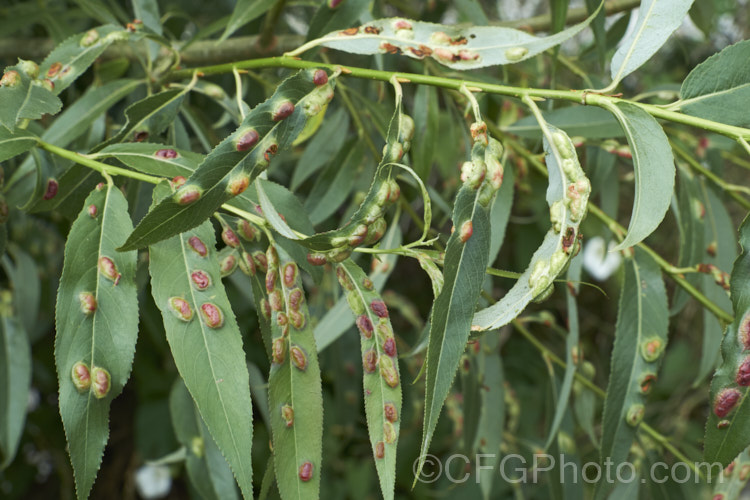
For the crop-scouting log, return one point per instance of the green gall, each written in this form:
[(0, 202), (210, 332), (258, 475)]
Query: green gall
[(187, 195), (287, 413), (515, 54), (100, 382), (89, 38), (278, 350), (181, 308), (10, 79), (212, 315), (108, 269), (389, 433), (651, 349), (635, 414), (227, 265), (388, 371), (81, 376), (88, 303)]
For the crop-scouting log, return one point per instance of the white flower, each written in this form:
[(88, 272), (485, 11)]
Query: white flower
[(599, 263), (153, 481)]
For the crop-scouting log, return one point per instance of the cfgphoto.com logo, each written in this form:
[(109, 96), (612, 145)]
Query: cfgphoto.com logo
[(515, 468)]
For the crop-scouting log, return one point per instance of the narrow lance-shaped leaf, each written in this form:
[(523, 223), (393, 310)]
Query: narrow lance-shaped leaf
[(205, 340), (244, 12), (653, 164), (690, 213), (731, 487), (718, 88), (720, 251), (207, 469), (727, 429), (97, 326), (73, 122), (23, 96), (567, 196), (232, 166), (656, 22), (153, 159), (492, 417), (466, 258), (15, 379), (367, 225), (457, 48), (147, 117), (72, 57), (338, 320), (640, 340), (382, 383), (15, 143), (295, 400), (571, 348)]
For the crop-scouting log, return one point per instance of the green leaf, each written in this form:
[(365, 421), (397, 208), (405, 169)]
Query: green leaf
[(106, 337), (727, 429), (338, 320), (718, 87), (492, 417), (72, 123), (209, 357), (500, 213), (640, 339), (382, 386), (153, 159), (24, 276), (690, 213), (585, 121), (720, 233), (600, 33), (466, 258), (207, 469), (325, 145), (327, 19), (71, 58), (24, 99), (15, 380), (427, 125), (549, 260), (14, 143), (335, 183), (147, 11), (272, 215), (295, 400), (654, 171), (730, 488), (571, 346), (462, 49), (244, 12), (656, 22), (149, 117), (229, 162)]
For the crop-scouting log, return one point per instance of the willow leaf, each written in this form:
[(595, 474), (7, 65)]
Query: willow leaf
[(571, 346), (238, 159), (656, 22), (727, 429), (338, 320), (97, 325), (730, 488), (466, 258), (566, 179), (295, 400), (244, 12), (272, 215), (71, 58), (15, 380), (492, 418), (153, 159), (640, 339), (718, 87), (654, 171), (207, 347), (15, 143), (24, 98), (382, 382), (721, 251), (207, 469), (690, 213), (455, 47)]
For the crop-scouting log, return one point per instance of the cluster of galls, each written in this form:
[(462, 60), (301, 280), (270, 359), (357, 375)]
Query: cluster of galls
[(281, 281), (12, 78), (563, 214), (651, 350), (369, 225), (246, 139), (97, 379), (201, 281), (726, 400)]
